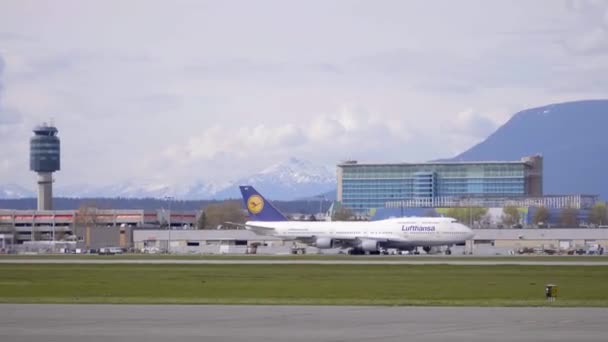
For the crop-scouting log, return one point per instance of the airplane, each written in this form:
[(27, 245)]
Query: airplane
[(367, 237)]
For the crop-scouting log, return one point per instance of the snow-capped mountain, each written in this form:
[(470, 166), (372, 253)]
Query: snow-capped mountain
[(202, 190), (13, 191), (128, 189), (140, 189), (288, 180)]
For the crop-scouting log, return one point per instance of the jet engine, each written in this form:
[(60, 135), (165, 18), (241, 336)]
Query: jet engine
[(369, 245), (324, 242), (431, 249)]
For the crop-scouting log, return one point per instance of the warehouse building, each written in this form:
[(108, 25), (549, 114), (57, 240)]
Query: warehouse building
[(485, 242), (505, 240), (235, 241)]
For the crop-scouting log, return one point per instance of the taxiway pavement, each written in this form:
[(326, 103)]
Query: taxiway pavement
[(235, 323)]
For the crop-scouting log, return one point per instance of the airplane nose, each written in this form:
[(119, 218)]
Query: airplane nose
[(469, 231)]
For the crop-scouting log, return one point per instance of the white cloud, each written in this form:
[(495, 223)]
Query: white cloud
[(323, 138), (240, 141), (211, 90), (590, 35), (469, 123)]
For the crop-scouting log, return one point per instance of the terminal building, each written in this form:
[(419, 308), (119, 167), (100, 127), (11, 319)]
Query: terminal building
[(362, 187), (21, 226)]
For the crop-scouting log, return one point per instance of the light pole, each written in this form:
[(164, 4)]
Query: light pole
[(321, 198), (169, 199)]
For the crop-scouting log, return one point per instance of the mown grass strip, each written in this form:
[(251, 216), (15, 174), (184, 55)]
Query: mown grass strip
[(586, 258), (303, 284)]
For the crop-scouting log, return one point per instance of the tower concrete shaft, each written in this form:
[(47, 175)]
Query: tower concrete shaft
[(45, 191)]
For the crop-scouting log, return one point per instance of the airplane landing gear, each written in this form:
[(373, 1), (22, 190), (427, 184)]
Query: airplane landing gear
[(356, 251), (448, 251)]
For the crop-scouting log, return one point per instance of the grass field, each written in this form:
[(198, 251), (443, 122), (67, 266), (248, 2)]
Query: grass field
[(586, 258), (303, 284)]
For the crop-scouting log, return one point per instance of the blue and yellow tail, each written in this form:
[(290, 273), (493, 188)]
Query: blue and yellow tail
[(258, 207)]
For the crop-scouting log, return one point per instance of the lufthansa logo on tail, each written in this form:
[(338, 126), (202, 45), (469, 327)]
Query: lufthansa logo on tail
[(255, 204)]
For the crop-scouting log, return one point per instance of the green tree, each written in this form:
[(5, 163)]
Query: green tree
[(568, 217), (467, 215), (217, 214), (510, 215), (541, 215), (476, 214), (343, 214), (201, 223), (60, 235), (430, 213), (85, 217), (36, 233), (598, 214)]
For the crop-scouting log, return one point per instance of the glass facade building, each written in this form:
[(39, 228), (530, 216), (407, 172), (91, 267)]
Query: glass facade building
[(366, 186)]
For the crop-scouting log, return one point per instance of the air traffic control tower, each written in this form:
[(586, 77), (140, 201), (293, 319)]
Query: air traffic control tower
[(44, 159)]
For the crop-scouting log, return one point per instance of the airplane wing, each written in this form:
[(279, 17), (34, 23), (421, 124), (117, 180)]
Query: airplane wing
[(239, 225), (260, 230), (343, 242), (357, 241)]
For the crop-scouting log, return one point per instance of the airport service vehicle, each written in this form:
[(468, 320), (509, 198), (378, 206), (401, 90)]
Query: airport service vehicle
[(404, 234), (110, 250)]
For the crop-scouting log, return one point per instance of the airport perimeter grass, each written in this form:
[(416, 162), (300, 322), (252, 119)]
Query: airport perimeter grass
[(303, 284), (438, 257)]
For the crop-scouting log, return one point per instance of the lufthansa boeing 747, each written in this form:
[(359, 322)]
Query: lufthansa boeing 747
[(405, 233)]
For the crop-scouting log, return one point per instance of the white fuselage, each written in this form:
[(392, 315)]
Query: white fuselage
[(395, 232)]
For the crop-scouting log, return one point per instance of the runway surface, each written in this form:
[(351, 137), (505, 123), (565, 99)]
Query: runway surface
[(153, 323), (253, 261)]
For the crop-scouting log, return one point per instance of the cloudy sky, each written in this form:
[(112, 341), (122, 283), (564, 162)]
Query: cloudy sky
[(177, 91)]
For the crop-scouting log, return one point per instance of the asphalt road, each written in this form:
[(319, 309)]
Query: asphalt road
[(413, 261), (151, 323)]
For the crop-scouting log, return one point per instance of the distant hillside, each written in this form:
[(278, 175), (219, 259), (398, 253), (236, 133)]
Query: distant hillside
[(570, 136), (307, 207), (288, 180), (329, 196), (14, 191)]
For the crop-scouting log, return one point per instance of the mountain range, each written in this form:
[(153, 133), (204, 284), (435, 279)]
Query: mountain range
[(570, 136), (15, 191), (288, 180)]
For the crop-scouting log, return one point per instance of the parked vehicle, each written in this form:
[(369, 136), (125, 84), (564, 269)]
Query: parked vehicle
[(110, 250)]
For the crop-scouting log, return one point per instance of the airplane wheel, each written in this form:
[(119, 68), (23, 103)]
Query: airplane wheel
[(448, 252)]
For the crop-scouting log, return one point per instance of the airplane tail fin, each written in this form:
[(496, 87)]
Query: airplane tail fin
[(258, 207)]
